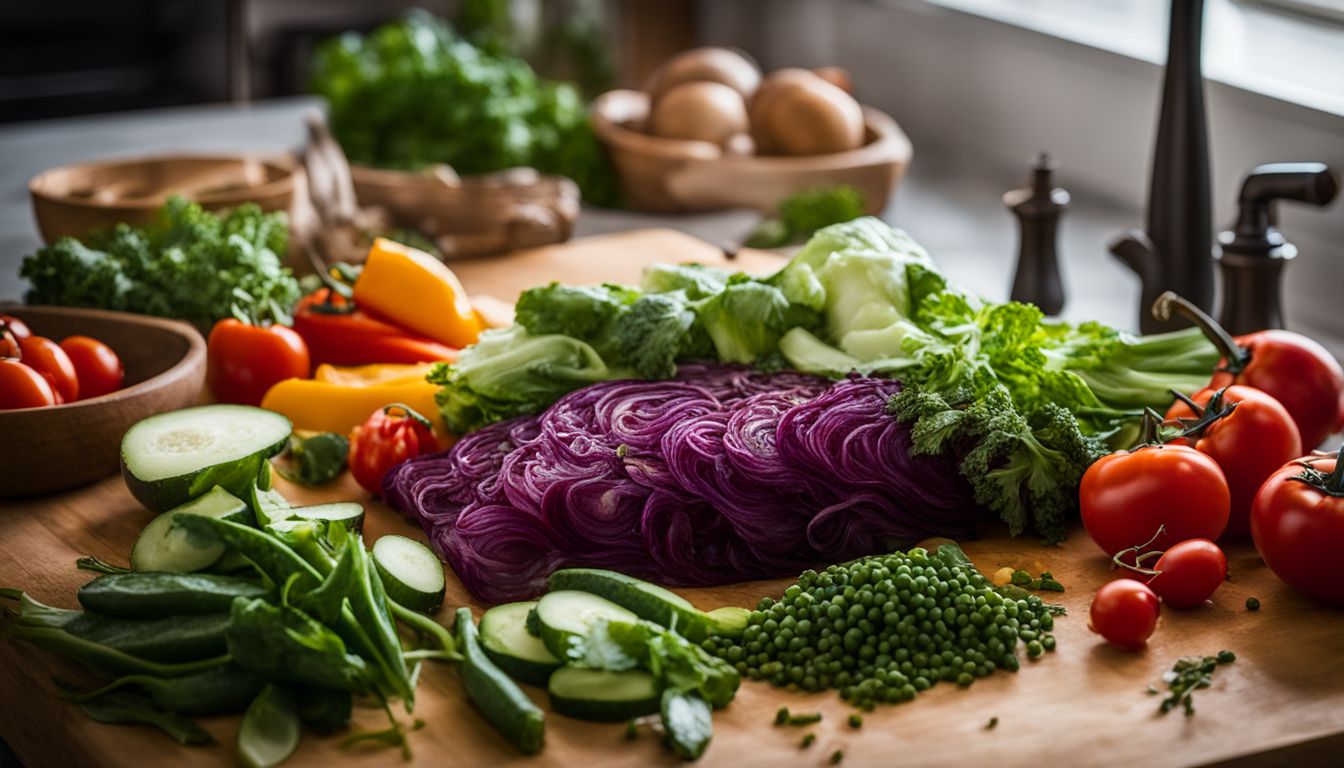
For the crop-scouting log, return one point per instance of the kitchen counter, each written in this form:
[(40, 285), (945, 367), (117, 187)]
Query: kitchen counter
[(959, 219)]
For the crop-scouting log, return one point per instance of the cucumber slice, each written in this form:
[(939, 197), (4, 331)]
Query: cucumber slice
[(347, 513), (269, 505), (730, 620), (567, 616), (505, 639), (601, 695), (174, 457), (648, 601), (164, 547), (411, 573)]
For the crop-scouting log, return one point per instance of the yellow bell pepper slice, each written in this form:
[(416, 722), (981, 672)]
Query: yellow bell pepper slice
[(369, 375), (418, 292), (325, 406)]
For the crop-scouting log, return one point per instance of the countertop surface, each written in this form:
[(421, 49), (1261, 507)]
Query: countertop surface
[(961, 220)]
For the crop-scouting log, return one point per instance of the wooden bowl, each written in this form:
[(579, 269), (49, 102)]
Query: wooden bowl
[(474, 215), (673, 176), (51, 449), (74, 200)]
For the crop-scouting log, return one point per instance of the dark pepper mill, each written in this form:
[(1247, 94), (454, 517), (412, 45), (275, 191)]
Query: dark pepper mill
[(1251, 255), (1038, 208)]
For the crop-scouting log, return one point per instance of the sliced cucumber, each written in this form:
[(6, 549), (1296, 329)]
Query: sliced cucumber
[(730, 620), (269, 505), (411, 573), (648, 601), (164, 547), (174, 457), (567, 616), (597, 694), (505, 639), (347, 513)]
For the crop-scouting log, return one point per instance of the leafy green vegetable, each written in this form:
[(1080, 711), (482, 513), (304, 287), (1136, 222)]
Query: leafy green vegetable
[(803, 213), (510, 373), (320, 458), (127, 707), (676, 662), (283, 643), (189, 264), (412, 93), (688, 721)]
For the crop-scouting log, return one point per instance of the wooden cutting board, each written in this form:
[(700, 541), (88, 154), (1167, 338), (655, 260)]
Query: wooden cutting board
[(1281, 703)]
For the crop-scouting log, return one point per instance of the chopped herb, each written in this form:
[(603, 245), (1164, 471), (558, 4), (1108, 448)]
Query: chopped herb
[(1189, 674), (993, 721), (856, 721), (782, 716), (837, 756), (808, 738), (631, 730)]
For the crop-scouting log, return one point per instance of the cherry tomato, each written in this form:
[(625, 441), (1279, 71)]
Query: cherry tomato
[(1124, 612), (98, 367), (16, 326), (9, 344), (243, 360), (1126, 496), (1189, 573), (47, 358), (1297, 523), (23, 387), (390, 436), (1252, 440)]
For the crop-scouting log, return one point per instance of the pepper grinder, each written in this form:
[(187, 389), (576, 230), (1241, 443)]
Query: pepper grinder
[(1252, 254), (1037, 208)]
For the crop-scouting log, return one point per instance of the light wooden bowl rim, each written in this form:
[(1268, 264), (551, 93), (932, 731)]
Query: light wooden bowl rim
[(194, 357), (283, 184), (613, 109)]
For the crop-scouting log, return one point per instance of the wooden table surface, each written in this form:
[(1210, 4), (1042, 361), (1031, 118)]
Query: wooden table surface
[(1281, 703)]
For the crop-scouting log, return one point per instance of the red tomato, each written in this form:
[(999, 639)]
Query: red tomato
[(1297, 372), (1297, 523), (1126, 496), (16, 326), (1253, 439), (9, 345), (1189, 573), (245, 360), (1124, 612), (47, 358), (97, 366), (386, 440), (23, 387)]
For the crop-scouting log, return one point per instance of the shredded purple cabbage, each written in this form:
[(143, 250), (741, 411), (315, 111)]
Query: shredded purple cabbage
[(720, 475)]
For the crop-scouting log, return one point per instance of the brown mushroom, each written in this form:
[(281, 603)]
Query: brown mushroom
[(715, 65), (702, 111)]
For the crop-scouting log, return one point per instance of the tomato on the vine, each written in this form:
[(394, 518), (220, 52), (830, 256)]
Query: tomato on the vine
[(23, 387), (1124, 612), (1189, 573), (386, 440), (47, 358), (244, 360), (1248, 433), (1297, 523), (1127, 496), (98, 368)]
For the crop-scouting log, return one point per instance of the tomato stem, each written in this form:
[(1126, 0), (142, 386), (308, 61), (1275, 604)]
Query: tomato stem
[(1149, 428), (1235, 356), (1215, 410), (409, 413), (1331, 484), (1137, 567)]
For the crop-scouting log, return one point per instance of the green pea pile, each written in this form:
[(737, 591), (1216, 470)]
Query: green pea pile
[(883, 628)]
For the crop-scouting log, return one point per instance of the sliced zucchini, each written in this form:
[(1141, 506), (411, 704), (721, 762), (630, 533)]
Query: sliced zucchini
[(347, 513), (411, 573), (607, 697), (171, 458), (164, 547), (269, 505), (648, 601), (505, 639), (567, 616)]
